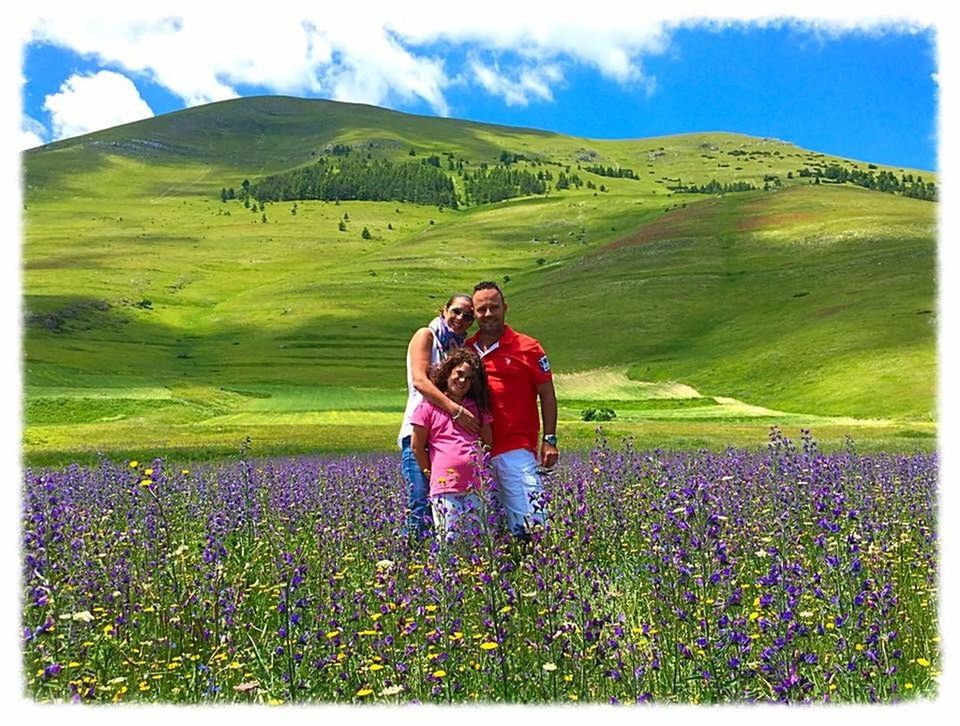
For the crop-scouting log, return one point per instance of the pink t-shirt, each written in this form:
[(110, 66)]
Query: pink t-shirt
[(452, 449)]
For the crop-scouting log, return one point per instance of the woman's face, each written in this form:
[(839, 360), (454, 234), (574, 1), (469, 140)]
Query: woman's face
[(460, 380), (459, 315)]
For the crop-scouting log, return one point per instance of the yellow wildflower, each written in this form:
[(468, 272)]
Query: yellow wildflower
[(489, 645), (364, 692), (923, 662)]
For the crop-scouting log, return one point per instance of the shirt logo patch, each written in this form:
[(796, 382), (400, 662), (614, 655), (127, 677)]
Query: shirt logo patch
[(508, 361), (544, 364)]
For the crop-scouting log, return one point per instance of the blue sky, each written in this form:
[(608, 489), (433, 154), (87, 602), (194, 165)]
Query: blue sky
[(861, 88)]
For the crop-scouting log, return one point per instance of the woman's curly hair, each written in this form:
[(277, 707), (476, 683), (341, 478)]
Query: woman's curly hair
[(479, 391)]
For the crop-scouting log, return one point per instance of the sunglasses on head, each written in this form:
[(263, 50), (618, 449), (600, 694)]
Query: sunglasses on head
[(461, 313)]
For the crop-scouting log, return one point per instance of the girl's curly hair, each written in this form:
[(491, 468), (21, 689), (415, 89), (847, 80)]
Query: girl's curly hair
[(479, 390)]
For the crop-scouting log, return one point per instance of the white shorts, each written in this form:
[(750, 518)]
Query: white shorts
[(519, 489), (455, 514)]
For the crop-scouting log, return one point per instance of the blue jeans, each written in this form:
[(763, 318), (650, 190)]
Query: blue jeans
[(419, 518)]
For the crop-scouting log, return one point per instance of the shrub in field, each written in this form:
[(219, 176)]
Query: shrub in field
[(598, 414), (781, 575)]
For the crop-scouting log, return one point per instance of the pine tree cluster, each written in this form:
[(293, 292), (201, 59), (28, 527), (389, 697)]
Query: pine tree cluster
[(494, 184), (882, 181), (376, 180)]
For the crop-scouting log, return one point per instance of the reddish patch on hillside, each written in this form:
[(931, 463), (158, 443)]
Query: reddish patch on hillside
[(674, 224)]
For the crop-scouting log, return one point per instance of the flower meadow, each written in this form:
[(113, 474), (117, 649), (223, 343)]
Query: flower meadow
[(778, 575)]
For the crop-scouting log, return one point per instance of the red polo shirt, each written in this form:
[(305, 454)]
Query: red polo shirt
[(515, 366)]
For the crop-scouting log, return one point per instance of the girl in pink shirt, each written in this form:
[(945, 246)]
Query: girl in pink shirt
[(447, 452)]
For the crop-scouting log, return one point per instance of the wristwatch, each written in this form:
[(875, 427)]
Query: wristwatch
[(550, 439)]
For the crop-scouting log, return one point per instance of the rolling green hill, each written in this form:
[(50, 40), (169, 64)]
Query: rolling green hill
[(158, 317)]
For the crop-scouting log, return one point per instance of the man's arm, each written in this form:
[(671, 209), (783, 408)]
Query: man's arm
[(419, 351), (548, 410), (486, 435)]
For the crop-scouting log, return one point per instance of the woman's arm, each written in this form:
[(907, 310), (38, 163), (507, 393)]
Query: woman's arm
[(418, 442), (419, 352)]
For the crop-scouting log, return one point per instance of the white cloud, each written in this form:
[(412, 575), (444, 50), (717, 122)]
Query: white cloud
[(32, 133), (374, 67), (380, 56), (517, 88), (92, 102), (610, 42), (389, 53)]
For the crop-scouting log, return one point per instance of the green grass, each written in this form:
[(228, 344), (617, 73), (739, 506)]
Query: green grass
[(158, 317)]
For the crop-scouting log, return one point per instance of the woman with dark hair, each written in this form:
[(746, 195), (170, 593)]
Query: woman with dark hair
[(451, 463), (427, 348)]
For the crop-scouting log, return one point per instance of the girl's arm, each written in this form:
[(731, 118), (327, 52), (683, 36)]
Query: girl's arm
[(419, 351), (418, 443)]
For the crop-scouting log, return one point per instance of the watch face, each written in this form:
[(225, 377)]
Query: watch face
[(550, 439)]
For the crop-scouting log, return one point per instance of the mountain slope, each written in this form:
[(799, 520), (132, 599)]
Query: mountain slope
[(815, 298)]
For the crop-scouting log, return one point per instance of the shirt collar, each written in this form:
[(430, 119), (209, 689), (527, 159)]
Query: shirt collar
[(505, 338)]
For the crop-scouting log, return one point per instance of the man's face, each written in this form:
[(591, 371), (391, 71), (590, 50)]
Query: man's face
[(489, 309)]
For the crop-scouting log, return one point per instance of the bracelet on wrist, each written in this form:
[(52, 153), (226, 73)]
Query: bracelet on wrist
[(457, 414)]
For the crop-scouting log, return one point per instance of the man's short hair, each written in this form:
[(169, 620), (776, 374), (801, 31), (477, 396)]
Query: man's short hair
[(489, 285)]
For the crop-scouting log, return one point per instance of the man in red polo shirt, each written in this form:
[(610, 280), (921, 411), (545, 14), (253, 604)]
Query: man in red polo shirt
[(518, 373)]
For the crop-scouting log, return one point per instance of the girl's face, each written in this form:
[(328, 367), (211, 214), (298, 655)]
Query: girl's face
[(459, 315), (460, 381)]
